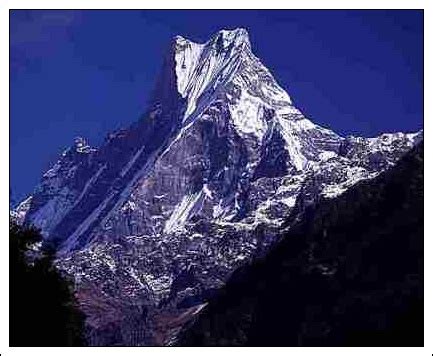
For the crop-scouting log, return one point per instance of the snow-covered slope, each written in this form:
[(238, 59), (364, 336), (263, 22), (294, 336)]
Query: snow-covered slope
[(160, 215)]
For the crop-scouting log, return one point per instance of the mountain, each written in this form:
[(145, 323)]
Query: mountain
[(155, 220), (350, 273)]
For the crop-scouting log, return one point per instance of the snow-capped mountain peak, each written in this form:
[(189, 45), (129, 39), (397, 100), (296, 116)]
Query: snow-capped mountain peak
[(219, 162), (224, 64), (224, 39)]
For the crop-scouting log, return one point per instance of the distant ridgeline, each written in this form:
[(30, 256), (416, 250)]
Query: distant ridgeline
[(349, 274)]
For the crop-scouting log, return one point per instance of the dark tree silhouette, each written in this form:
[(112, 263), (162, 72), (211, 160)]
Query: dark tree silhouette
[(43, 309)]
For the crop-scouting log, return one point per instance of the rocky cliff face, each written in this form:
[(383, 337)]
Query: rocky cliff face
[(349, 273), (154, 220)]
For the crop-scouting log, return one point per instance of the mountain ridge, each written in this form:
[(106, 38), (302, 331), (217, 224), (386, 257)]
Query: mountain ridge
[(327, 283), (202, 183)]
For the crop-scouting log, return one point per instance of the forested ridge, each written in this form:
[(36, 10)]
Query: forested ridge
[(349, 274)]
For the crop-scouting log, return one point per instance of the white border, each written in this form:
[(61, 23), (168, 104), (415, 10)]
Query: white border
[(5, 5), (220, 4)]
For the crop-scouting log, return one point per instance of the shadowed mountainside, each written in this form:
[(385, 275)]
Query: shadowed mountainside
[(349, 274)]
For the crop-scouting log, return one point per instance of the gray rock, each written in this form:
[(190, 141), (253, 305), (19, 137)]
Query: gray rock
[(160, 215)]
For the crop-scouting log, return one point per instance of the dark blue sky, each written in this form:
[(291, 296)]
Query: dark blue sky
[(85, 73)]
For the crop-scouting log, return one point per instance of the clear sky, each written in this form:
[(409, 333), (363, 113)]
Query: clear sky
[(86, 73)]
